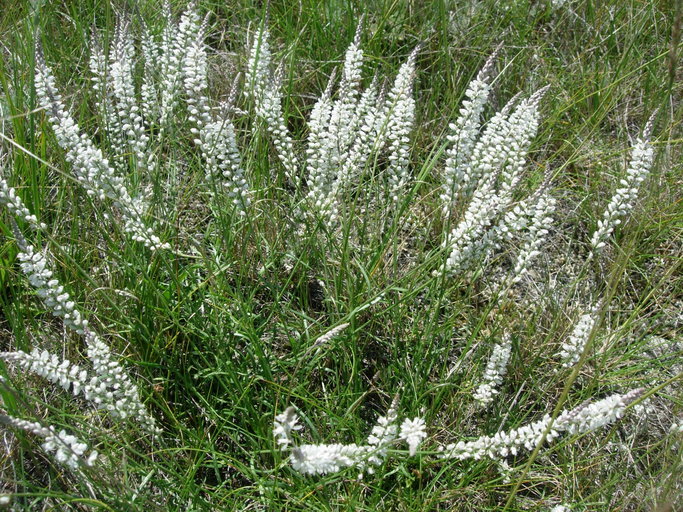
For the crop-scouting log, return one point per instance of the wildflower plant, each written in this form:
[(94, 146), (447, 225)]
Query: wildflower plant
[(258, 270)]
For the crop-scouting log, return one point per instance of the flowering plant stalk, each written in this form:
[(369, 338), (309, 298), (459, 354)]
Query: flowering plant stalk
[(110, 387), (67, 449)]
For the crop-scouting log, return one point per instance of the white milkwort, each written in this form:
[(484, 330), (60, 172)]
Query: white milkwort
[(283, 426), (318, 459), (195, 79), (625, 196), (149, 93), (529, 221), (367, 135), (121, 71), (11, 200), (264, 90), (67, 449), (334, 129), (488, 153), (496, 368), (90, 167), (321, 174), (344, 118), (382, 435), (523, 123), (104, 100), (576, 343), (214, 135), (50, 367), (34, 265), (540, 215), (464, 132), (110, 388), (400, 118), (468, 239), (344, 131), (176, 42), (259, 63), (413, 432), (493, 172), (585, 418), (218, 142)]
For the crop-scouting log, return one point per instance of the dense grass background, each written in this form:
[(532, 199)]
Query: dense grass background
[(219, 333)]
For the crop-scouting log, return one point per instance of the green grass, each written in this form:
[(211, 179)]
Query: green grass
[(218, 333)]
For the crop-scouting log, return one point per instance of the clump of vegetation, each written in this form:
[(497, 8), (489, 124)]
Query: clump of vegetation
[(445, 313)]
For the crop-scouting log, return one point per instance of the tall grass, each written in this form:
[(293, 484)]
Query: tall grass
[(344, 295)]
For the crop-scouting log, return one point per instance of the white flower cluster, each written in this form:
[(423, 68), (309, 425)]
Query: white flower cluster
[(111, 388), (344, 131), (369, 134), (400, 117), (496, 367), (320, 459), (467, 240), (104, 101), (575, 345), (583, 419), (50, 367), (176, 42), (264, 90), (540, 221), (560, 508), (283, 426), (413, 432), (381, 437), (342, 135), (321, 178), (464, 134), (489, 152), (11, 200), (523, 123), (220, 151), (625, 196), (194, 73), (334, 133), (591, 416), (89, 165), (67, 449), (492, 172), (149, 94), (34, 264), (215, 137), (128, 112)]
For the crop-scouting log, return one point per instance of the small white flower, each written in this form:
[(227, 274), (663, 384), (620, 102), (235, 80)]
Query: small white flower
[(67, 449), (582, 419), (283, 426), (495, 371), (413, 432), (575, 345), (624, 198)]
